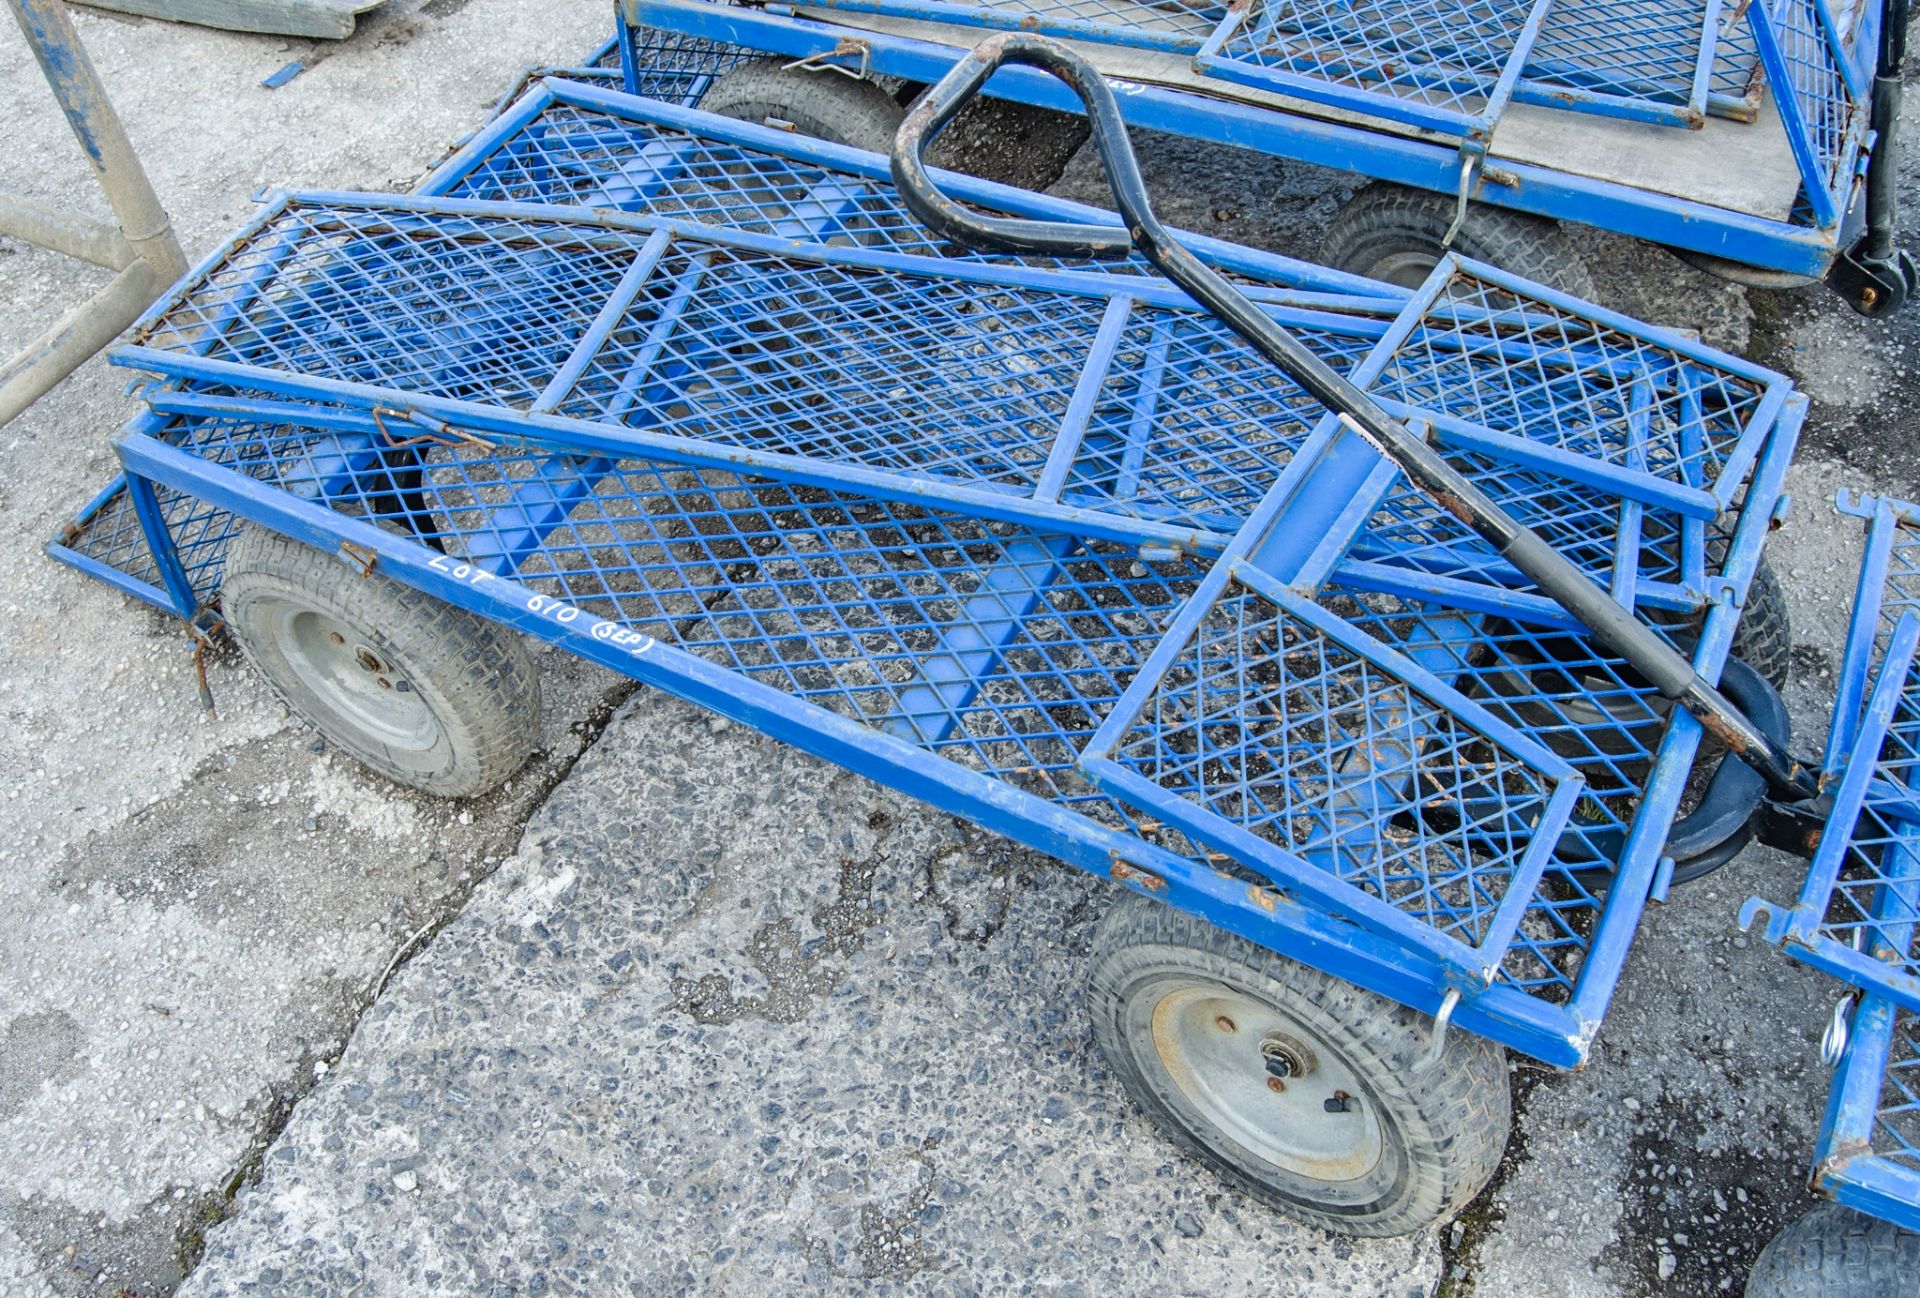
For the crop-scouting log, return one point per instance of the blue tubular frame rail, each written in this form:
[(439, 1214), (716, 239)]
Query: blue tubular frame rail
[(1858, 910), (1795, 43), (1118, 405), (1867, 1155), (571, 143), (836, 622)]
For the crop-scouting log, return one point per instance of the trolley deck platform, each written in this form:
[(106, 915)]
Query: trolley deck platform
[(1736, 132), (929, 519)]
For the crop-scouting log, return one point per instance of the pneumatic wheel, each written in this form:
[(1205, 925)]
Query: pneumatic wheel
[(1290, 1082), (1835, 1252), (1393, 233), (823, 104), (1764, 638), (426, 694)]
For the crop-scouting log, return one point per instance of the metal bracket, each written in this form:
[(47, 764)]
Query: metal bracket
[(1470, 163), (438, 434), (1833, 1041), (1437, 1039), (845, 45), (359, 556)]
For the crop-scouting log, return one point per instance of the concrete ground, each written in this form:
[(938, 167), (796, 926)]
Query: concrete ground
[(725, 1020)]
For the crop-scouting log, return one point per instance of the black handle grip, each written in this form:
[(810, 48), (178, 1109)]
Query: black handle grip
[(963, 225)]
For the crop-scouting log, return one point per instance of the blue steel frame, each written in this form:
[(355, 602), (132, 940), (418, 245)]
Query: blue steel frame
[(1559, 1034), (1871, 850), (1423, 164), (1861, 1158)]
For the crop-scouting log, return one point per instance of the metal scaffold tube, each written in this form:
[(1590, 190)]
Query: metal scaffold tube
[(142, 248)]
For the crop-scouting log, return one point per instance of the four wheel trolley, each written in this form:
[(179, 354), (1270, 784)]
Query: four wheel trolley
[(1374, 639), (1755, 138)]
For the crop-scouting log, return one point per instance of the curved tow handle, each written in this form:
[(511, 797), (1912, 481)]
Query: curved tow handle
[(1613, 626), (936, 108)]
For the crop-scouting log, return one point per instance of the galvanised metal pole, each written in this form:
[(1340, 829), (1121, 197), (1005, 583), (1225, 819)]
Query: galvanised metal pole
[(143, 249)]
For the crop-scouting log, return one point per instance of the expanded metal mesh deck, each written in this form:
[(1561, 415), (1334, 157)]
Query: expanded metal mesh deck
[(998, 647), (1858, 912), (572, 146), (1627, 53), (1084, 393), (1441, 64)]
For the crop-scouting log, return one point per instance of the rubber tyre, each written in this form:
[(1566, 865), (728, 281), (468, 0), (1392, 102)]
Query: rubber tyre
[(1764, 638), (475, 692), (1835, 1252), (1440, 1133), (1385, 228), (825, 105)]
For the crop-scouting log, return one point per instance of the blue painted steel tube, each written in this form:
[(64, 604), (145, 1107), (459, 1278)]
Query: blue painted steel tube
[(1845, 1164), (1756, 241), (1318, 285), (1260, 915)]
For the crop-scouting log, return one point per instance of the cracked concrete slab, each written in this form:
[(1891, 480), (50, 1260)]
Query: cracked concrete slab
[(737, 1022), (193, 913)]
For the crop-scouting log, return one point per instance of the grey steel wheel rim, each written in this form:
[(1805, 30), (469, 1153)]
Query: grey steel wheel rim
[(358, 683), (1214, 1044), (1408, 269)]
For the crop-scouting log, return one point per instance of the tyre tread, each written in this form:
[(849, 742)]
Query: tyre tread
[(496, 721), (1464, 1100)]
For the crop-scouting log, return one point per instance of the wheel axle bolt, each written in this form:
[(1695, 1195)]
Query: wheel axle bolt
[(1225, 1024)]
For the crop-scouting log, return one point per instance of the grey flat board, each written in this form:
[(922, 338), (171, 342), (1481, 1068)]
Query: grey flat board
[(1744, 167), (325, 19)]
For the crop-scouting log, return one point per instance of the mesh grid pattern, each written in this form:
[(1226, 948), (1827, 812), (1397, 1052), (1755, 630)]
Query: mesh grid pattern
[(1567, 381), (451, 308), (858, 606), (574, 155), (1817, 87), (1281, 732), (1446, 56), (1737, 74), (1875, 902), (744, 349), (1646, 50), (1896, 1128), (677, 69), (113, 536), (969, 380)]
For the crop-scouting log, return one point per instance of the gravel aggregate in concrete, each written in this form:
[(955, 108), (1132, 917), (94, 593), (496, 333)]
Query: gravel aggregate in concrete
[(736, 1022)]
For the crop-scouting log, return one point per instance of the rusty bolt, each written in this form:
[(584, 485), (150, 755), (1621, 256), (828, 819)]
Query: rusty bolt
[(1226, 1024), (336, 637), (1275, 1085)]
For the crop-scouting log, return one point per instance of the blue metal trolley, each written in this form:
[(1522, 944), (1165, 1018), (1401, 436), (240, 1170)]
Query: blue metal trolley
[(1056, 548), (1754, 139)]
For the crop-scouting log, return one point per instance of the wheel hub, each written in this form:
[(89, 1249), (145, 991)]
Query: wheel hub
[(355, 679), (1254, 1074)]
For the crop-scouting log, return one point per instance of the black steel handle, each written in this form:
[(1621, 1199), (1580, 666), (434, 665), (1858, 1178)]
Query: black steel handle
[(936, 108), (1614, 627)]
